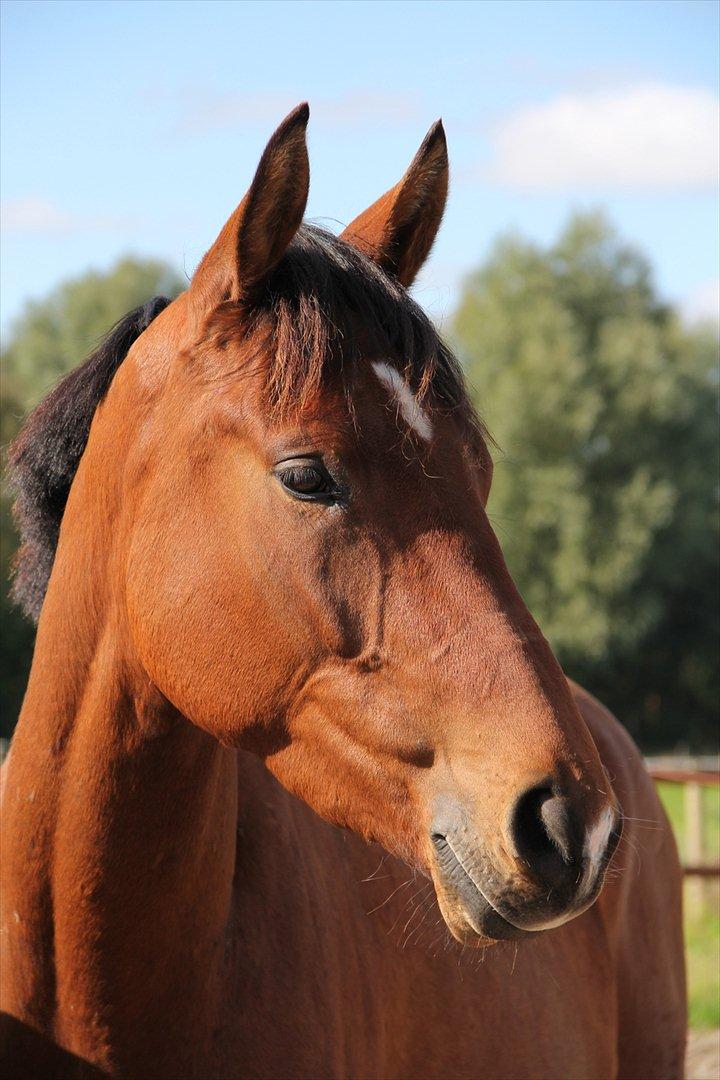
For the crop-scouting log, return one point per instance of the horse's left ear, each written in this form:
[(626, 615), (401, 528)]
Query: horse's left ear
[(256, 236), (399, 229)]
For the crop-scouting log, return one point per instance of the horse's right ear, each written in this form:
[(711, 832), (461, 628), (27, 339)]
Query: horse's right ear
[(399, 229), (256, 235)]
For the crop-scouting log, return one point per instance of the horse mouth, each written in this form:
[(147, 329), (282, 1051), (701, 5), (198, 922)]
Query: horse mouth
[(470, 916)]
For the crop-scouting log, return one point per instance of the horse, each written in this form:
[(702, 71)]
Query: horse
[(283, 683)]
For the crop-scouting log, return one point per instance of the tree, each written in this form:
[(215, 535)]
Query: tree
[(52, 336), (605, 493), (55, 333)]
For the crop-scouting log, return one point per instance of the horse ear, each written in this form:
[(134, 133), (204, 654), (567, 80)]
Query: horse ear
[(257, 234), (399, 229)]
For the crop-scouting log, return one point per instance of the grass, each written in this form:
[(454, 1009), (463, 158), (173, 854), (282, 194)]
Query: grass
[(702, 909), (702, 948)]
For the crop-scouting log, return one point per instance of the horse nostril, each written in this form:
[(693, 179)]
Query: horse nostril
[(545, 834), (557, 819)]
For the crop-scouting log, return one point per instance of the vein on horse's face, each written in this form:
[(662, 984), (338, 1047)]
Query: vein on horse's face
[(412, 412)]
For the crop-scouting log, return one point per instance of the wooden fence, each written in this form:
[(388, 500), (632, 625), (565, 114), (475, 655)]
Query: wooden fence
[(693, 781)]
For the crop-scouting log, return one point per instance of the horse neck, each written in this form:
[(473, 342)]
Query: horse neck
[(119, 831)]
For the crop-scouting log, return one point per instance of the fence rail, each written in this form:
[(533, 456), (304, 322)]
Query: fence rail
[(693, 780), (705, 777)]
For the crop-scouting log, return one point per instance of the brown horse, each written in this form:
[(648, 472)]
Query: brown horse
[(273, 610)]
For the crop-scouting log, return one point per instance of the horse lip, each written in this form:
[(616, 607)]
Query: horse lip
[(461, 864), (507, 928), (519, 929)]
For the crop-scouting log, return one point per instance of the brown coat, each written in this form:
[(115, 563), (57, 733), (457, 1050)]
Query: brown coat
[(279, 633)]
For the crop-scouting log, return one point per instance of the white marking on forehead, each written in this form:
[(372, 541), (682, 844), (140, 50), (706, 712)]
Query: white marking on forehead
[(413, 414)]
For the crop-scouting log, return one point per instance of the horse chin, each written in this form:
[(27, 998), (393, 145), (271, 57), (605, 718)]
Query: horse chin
[(477, 924)]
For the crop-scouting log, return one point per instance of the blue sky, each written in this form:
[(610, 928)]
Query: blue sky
[(136, 126)]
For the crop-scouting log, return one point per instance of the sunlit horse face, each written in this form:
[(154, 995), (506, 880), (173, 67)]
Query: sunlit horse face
[(312, 575)]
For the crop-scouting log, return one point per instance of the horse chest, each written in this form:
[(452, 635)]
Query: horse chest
[(318, 987)]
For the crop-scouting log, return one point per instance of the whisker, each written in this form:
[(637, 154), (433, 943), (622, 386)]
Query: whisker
[(388, 898), (426, 908), (376, 871)]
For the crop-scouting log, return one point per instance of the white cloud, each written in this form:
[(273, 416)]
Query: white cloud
[(41, 217), (649, 136), (702, 304), (211, 113), (34, 216)]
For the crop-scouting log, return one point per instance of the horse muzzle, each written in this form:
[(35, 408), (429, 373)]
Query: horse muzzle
[(548, 870)]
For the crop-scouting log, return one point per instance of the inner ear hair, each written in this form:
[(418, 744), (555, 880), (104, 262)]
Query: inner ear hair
[(275, 203)]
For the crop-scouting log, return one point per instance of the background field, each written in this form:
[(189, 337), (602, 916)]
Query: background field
[(702, 917)]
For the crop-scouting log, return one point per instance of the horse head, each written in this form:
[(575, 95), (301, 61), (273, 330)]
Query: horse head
[(304, 557)]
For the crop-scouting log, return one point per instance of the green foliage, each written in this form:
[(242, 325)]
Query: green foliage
[(51, 337), (55, 333), (17, 635), (605, 489)]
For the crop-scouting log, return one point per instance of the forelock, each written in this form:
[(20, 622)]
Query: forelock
[(326, 309)]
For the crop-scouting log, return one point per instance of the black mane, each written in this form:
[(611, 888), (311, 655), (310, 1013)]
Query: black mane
[(322, 309), (44, 457)]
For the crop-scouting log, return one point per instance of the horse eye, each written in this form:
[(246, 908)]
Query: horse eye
[(305, 479)]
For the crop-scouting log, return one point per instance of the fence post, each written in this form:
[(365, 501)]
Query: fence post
[(694, 847)]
